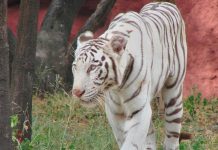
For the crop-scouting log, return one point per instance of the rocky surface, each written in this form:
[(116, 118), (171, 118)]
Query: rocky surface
[(202, 34), (202, 37)]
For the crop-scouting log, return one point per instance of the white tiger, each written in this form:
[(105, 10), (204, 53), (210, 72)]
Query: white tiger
[(140, 55)]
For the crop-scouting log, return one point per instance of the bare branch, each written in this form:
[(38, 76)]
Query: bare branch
[(96, 20)]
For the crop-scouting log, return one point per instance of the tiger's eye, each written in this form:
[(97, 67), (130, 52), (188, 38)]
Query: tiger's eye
[(92, 67)]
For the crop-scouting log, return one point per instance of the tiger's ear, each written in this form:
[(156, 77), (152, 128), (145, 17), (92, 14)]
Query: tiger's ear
[(118, 44), (85, 36)]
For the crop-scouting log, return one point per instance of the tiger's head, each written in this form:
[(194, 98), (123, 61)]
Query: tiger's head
[(95, 67)]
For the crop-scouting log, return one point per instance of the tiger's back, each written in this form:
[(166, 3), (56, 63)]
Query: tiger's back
[(156, 39), (170, 46)]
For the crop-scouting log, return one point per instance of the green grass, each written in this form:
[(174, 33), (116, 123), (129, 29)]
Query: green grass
[(60, 123), (200, 119)]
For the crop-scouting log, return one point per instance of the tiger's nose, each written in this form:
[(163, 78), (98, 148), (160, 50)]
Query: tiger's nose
[(78, 93)]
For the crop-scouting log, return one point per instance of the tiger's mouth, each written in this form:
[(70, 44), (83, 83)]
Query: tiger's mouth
[(87, 101), (93, 100)]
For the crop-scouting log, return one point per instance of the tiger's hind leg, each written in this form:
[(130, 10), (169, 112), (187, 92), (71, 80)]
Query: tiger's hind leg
[(173, 114), (151, 138)]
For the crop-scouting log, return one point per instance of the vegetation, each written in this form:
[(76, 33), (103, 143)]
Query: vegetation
[(60, 123), (200, 119)]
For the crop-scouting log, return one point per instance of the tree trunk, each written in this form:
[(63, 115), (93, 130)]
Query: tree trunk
[(12, 47), (23, 66), (96, 20), (53, 37), (5, 103)]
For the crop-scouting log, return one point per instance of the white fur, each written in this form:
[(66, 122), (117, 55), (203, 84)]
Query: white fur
[(157, 65)]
